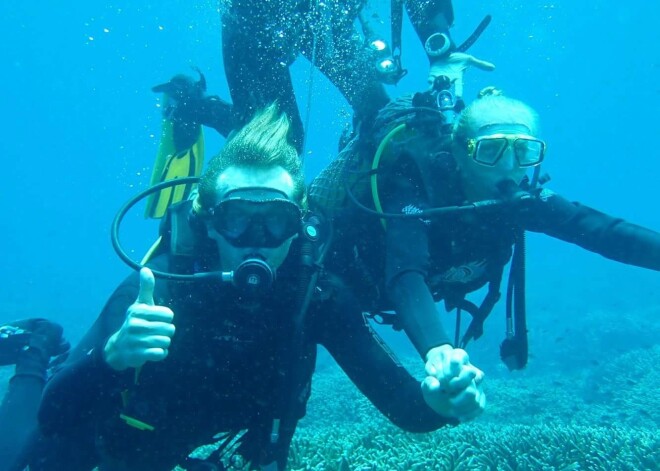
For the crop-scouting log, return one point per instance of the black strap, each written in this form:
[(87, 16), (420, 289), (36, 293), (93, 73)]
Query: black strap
[(397, 26), (479, 314), (385, 318), (457, 331), (514, 348), (312, 255), (475, 35)]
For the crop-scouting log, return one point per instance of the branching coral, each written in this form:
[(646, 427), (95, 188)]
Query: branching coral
[(474, 446), (628, 385), (532, 423)]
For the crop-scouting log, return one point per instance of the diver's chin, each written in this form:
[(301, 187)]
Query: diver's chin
[(506, 187)]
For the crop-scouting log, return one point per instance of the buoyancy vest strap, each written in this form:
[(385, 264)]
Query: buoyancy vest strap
[(457, 330), (519, 303), (479, 314), (514, 348), (385, 318), (312, 255)]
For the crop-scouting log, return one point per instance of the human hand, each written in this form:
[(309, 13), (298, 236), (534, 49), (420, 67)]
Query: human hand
[(454, 65), (35, 333), (146, 333), (452, 387)]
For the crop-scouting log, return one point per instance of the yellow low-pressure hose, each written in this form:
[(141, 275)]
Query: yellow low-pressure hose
[(151, 251)]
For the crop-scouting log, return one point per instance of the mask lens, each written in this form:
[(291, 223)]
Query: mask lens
[(278, 224), (489, 151), (529, 152), (246, 223), (232, 222)]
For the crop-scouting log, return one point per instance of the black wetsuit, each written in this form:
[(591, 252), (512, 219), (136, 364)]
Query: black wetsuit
[(416, 262), (222, 374), (261, 39), (18, 411), (29, 344)]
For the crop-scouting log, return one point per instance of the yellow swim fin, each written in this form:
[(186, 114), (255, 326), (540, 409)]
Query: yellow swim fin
[(178, 157)]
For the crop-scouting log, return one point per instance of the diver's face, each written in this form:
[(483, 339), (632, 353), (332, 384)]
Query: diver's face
[(494, 154), (233, 179)]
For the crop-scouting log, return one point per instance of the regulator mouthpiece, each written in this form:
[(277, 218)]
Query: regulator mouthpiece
[(254, 277)]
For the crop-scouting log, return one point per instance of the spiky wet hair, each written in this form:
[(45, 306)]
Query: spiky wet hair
[(260, 144)]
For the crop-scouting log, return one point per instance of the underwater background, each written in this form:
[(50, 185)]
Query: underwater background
[(80, 130)]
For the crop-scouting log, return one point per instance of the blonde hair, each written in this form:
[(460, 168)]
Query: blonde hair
[(260, 144), (493, 109)]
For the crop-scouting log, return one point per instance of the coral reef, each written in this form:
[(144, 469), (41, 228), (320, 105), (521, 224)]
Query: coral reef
[(628, 385), (532, 422), (476, 446)]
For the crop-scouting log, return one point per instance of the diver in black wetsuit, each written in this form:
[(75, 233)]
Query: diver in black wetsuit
[(28, 344), (168, 365), (447, 209), (261, 39)]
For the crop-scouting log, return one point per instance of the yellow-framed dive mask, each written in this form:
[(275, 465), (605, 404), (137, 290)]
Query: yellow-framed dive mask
[(488, 150)]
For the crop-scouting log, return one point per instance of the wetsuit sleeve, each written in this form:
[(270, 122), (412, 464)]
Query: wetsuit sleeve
[(85, 388), (407, 260), (369, 363), (611, 237), (216, 113)]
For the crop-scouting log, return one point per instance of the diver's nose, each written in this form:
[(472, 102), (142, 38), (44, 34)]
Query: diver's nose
[(508, 161)]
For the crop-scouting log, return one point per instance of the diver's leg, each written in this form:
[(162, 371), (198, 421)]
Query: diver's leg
[(217, 114), (430, 17), (256, 76), (348, 65)]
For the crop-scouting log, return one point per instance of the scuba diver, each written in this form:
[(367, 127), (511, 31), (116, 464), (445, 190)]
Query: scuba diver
[(224, 338), (29, 344), (450, 197), (262, 39)]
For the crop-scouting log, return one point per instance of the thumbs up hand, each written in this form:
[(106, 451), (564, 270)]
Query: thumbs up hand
[(146, 333)]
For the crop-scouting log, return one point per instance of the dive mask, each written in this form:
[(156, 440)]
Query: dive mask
[(256, 217), (488, 150)]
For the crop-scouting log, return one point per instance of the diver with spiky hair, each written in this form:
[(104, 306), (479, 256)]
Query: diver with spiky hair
[(224, 338)]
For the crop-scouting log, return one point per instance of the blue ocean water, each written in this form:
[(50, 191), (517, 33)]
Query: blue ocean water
[(80, 129)]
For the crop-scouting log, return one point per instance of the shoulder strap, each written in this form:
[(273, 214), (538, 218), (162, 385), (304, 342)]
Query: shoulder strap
[(396, 14), (184, 239), (316, 240), (479, 314), (177, 232), (514, 348)]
